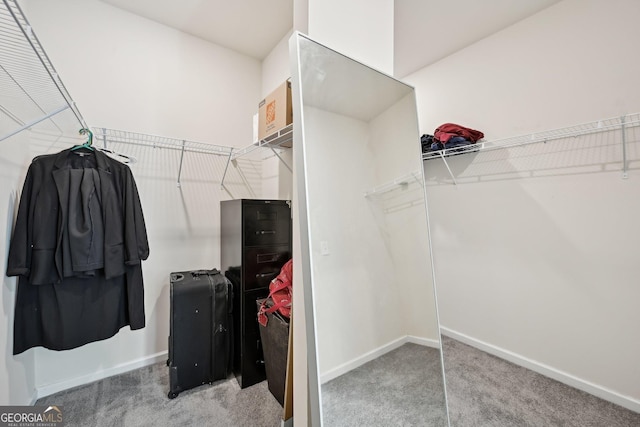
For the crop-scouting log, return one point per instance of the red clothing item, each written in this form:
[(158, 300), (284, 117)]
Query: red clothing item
[(448, 130)]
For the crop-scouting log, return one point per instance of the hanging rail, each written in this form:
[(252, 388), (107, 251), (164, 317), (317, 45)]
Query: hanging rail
[(32, 90)]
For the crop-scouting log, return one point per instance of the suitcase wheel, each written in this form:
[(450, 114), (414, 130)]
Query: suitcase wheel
[(172, 395)]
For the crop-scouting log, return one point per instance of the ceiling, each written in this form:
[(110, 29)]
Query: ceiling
[(251, 27), (425, 30)]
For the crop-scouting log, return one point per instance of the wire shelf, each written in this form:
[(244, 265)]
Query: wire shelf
[(398, 183), (604, 125), (280, 139), (32, 90), (107, 136)]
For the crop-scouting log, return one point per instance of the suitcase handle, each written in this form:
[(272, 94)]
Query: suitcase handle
[(198, 273), (177, 277), (261, 232)]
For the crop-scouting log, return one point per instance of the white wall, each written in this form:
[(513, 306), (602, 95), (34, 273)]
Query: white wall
[(356, 295), (560, 67), (405, 220), (361, 29), (129, 73), (17, 373), (535, 251), (277, 180)]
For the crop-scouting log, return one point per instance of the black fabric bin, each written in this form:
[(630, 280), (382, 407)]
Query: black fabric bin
[(275, 346)]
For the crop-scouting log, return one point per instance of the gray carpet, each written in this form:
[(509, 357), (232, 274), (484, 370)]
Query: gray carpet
[(139, 399), (401, 388), (483, 391), (486, 391)]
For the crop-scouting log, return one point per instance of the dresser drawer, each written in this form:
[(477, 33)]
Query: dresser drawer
[(261, 265), (266, 224)]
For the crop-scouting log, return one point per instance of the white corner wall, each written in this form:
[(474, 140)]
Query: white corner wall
[(129, 73), (17, 373), (536, 256), (361, 29), (355, 292), (277, 180), (404, 218)]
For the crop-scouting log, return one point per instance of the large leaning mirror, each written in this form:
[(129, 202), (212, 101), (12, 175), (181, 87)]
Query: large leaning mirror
[(374, 342)]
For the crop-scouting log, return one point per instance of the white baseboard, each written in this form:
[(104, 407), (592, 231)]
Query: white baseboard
[(423, 341), (49, 389), (546, 370), (374, 354)]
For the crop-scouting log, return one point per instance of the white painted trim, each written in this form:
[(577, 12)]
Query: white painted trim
[(49, 389), (427, 342), (361, 360), (374, 354), (546, 370)]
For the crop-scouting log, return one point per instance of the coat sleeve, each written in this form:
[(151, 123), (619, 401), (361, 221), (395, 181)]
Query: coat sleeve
[(135, 231), (19, 262)]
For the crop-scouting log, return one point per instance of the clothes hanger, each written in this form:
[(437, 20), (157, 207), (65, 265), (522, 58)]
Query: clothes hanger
[(88, 144), (119, 156)]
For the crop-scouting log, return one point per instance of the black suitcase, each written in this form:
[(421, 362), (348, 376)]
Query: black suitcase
[(200, 329)]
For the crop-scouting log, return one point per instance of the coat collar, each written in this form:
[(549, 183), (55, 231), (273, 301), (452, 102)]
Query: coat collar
[(101, 159)]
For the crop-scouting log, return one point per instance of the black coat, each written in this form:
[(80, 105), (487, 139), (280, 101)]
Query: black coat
[(77, 248)]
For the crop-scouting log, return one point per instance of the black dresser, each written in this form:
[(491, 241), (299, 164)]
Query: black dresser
[(255, 244)]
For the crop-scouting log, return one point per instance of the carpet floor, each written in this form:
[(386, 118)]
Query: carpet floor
[(400, 388), (139, 399), (486, 391)]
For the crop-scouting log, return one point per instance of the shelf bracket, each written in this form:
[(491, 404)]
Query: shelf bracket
[(244, 178), (282, 160), (448, 168), (181, 159), (35, 122), (625, 175), (104, 138), (224, 174)]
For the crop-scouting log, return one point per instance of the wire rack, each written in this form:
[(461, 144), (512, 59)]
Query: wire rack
[(604, 125), (32, 91), (109, 137), (106, 136), (280, 139), (621, 123)]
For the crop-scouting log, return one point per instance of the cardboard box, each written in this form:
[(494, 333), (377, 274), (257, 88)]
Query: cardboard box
[(275, 111)]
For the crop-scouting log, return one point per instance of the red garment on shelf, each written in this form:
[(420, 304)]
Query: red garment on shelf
[(447, 131)]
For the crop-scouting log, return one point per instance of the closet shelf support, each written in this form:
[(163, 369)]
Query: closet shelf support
[(282, 160), (226, 167), (448, 168), (625, 175), (35, 122), (181, 160)]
